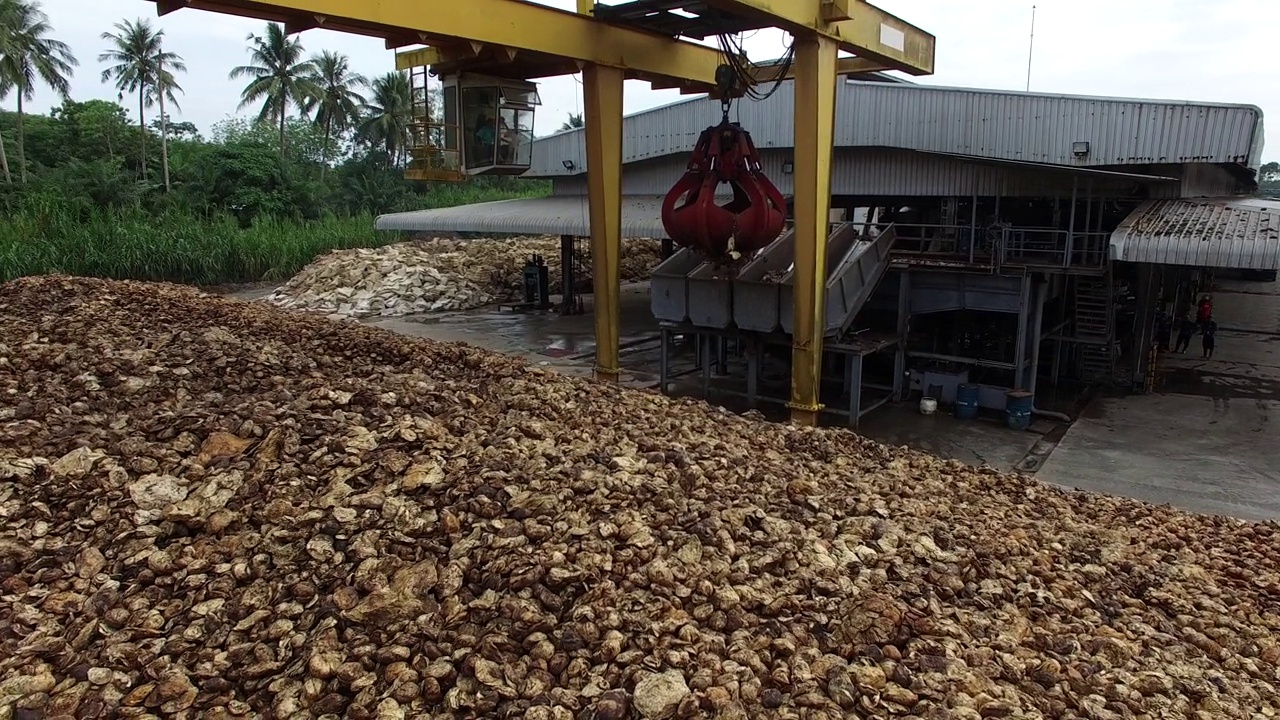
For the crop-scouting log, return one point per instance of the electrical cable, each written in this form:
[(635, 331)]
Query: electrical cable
[(734, 53)]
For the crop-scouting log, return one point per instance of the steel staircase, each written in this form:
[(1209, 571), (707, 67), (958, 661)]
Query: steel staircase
[(1093, 329)]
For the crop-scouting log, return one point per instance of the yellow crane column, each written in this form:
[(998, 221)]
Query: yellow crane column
[(602, 90), (815, 117)]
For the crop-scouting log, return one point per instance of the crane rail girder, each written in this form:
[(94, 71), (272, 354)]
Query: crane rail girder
[(872, 34)]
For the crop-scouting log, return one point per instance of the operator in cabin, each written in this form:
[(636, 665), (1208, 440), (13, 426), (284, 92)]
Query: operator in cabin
[(485, 136)]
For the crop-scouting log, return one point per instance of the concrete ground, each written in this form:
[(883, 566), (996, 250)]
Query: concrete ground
[(983, 441), (565, 342), (1209, 439)]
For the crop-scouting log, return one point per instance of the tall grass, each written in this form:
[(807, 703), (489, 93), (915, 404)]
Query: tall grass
[(176, 246), (40, 238)]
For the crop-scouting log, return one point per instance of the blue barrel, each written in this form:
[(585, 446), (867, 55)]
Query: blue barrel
[(967, 401), (1017, 409)]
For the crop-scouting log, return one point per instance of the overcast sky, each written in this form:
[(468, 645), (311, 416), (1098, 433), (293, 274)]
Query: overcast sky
[(1165, 49)]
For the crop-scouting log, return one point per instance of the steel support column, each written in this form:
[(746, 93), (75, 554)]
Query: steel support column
[(568, 283), (1020, 347), (815, 115), (1071, 224), (602, 88), (853, 375), (664, 361), (900, 386), (1144, 323), (1037, 327)]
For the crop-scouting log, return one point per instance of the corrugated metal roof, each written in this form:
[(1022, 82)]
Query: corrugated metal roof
[(888, 171), (556, 215), (1030, 127), (1234, 233)]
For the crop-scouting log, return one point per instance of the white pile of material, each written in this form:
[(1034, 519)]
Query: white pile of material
[(394, 280)]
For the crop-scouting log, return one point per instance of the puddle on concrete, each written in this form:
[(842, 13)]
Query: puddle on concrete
[(1194, 381), (567, 345)]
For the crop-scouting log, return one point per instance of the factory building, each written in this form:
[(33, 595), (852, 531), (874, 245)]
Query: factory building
[(999, 239)]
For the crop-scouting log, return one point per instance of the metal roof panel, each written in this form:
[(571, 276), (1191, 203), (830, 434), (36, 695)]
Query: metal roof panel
[(1030, 127), (554, 215), (1232, 233)]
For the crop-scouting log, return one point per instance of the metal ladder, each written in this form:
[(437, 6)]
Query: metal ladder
[(420, 106), (433, 150), (1093, 328)]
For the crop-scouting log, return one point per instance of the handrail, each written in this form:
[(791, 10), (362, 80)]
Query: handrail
[(1003, 244), (949, 241), (1054, 248)]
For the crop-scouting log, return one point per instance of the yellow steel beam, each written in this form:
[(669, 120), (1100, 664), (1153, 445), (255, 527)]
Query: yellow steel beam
[(874, 34), (815, 119), (510, 23), (527, 26), (869, 32), (602, 94), (765, 72), (602, 90), (427, 56), (844, 66), (834, 10)]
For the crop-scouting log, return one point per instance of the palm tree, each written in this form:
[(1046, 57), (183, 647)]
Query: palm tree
[(388, 115), (141, 65), (575, 121), (8, 11), (338, 104), (27, 54), (164, 88), (4, 158), (280, 76)]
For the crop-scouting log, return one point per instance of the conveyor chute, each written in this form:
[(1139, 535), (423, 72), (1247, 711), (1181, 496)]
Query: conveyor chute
[(759, 297)]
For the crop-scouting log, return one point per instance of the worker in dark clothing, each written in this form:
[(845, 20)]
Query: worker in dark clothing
[(1164, 329), (1186, 328), (1209, 337)]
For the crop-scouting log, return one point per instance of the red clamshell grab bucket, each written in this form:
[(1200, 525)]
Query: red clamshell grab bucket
[(750, 221)]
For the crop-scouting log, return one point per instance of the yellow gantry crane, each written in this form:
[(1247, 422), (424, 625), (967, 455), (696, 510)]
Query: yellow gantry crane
[(640, 39)]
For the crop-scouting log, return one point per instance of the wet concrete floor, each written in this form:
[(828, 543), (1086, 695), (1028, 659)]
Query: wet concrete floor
[(1208, 439), (564, 342), (982, 441)]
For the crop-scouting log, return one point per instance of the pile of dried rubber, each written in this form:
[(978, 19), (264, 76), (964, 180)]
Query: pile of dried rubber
[(213, 509), (434, 275)]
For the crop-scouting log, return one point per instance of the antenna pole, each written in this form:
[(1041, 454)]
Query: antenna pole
[(1031, 46)]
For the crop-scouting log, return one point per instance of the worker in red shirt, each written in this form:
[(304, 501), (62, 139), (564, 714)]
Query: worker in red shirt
[(1205, 312)]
